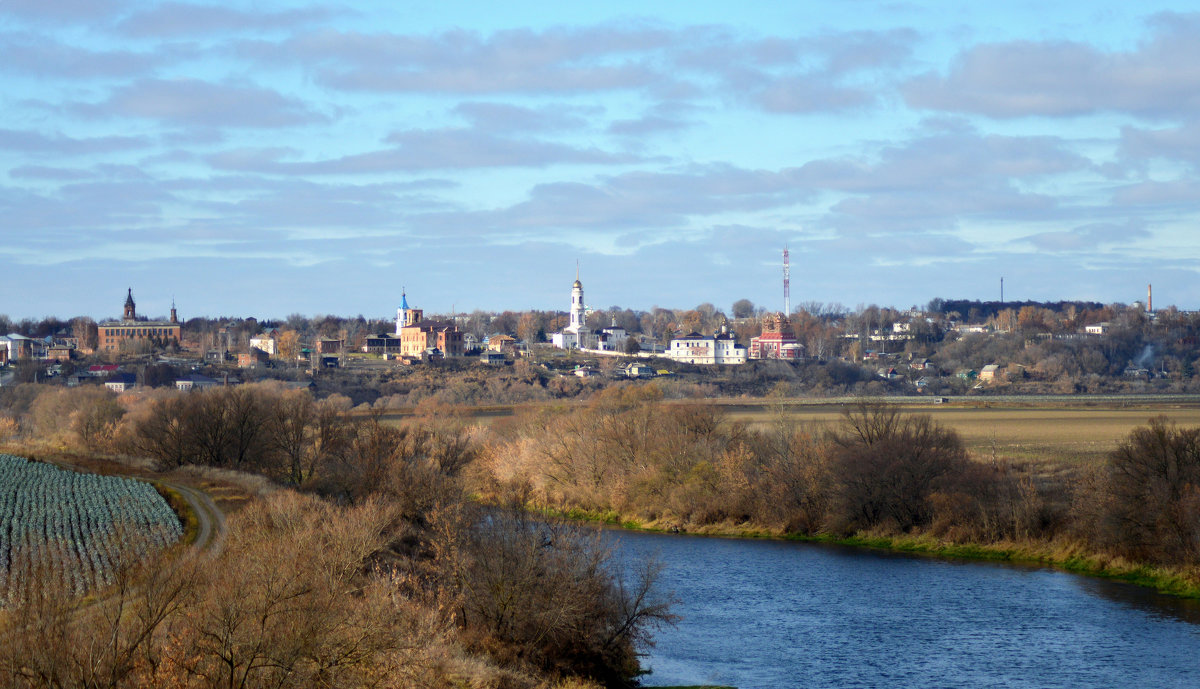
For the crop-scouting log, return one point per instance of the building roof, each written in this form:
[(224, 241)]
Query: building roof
[(139, 323), (431, 325), (196, 378)]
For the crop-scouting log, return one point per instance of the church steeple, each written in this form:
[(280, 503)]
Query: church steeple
[(130, 307), (406, 316), (578, 310)]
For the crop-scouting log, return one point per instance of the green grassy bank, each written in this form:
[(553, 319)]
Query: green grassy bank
[(1064, 555)]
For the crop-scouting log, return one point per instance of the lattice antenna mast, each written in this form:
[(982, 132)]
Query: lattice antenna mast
[(787, 284)]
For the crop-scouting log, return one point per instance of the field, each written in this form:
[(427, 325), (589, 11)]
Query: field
[(69, 529), (1033, 433), (1062, 430)]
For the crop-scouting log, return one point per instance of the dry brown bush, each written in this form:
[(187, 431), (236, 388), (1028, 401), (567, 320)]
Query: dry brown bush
[(542, 595), (888, 467), (1148, 496)]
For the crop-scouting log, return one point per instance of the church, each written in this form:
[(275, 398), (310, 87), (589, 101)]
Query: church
[(420, 336), (131, 327), (576, 335)]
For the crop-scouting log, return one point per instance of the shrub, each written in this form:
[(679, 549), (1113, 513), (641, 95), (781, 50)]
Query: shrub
[(1150, 494), (889, 466)]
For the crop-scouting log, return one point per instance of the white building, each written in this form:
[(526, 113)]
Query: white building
[(612, 338), (720, 348), (265, 342), (576, 335), (405, 316)]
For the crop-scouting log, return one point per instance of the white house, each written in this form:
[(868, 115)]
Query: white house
[(266, 342), (612, 338), (121, 382), (196, 382), (720, 348)]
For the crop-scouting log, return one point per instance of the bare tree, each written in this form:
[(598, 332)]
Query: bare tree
[(1151, 494), (544, 593), (889, 465)]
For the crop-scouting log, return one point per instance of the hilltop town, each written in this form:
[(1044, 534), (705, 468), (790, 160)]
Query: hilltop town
[(947, 348)]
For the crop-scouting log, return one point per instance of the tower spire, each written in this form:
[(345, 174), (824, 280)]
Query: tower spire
[(130, 307)]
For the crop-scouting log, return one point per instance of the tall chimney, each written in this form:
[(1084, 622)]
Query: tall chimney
[(1149, 298)]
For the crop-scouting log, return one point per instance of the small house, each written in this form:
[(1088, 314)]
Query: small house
[(253, 358), (121, 382), (639, 370), (195, 382), (498, 343), (491, 357)]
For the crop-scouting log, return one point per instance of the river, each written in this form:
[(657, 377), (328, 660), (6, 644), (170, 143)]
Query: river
[(777, 614)]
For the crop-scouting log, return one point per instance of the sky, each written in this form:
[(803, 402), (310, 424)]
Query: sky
[(268, 158)]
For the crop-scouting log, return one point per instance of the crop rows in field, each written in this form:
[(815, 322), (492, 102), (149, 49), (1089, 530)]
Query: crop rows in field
[(69, 530)]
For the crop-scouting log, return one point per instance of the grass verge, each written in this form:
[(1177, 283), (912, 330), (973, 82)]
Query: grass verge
[(183, 510), (1068, 557)]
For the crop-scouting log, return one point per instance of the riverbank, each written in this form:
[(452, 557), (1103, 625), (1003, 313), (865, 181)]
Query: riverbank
[(1068, 556)]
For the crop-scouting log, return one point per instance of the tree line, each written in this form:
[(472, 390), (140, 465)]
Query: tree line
[(877, 471)]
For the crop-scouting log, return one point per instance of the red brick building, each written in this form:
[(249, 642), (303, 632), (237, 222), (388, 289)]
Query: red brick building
[(328, 345), (777, 341), (415, 339), (112, 334), (253, 358)]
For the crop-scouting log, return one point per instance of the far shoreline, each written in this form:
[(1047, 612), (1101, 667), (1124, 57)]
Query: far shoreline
[(1070, 558)]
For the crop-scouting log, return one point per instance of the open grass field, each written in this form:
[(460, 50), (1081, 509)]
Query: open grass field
[(1063, 431), (1026, 433)]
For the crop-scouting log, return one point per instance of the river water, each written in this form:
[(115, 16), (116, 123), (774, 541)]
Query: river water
[(768, 614)]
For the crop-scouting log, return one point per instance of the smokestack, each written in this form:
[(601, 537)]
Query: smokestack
[(1149, 298)]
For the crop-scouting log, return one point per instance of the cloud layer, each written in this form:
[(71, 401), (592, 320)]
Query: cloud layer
[(902, 156)]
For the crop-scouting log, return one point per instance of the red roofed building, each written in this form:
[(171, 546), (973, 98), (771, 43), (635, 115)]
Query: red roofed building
[(777, 340)]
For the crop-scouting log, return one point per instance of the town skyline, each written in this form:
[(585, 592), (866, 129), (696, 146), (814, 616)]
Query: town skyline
[(275, 158)]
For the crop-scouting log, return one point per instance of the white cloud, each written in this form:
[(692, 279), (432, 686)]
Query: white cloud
[(198, 103), (1060, 78)]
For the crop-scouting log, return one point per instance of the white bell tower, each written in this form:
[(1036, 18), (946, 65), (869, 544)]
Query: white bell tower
[(578, 316)]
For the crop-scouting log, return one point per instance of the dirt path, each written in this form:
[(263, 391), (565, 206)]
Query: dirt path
[(210, 520)]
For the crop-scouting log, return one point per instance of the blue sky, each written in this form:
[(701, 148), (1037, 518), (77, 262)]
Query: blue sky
[(271, 158)]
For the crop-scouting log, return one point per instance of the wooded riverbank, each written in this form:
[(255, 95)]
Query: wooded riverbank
[(1068, 557), (876, 477)]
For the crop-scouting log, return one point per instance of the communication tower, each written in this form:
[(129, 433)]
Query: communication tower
[(787, 284)]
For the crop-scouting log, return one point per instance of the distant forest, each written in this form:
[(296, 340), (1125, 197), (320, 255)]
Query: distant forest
[(975, 310)]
